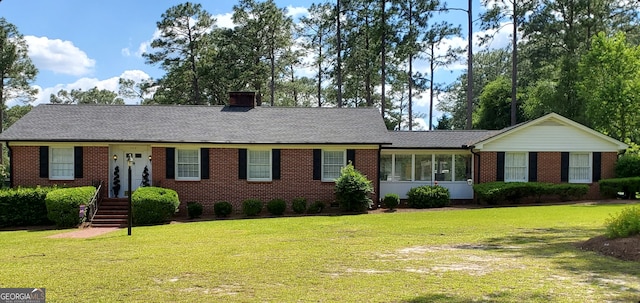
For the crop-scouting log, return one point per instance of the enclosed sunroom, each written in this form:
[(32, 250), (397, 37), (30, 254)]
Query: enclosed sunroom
[(429, 158)]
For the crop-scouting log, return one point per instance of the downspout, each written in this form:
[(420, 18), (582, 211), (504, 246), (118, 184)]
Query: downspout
[(377, 203), (10, 152)]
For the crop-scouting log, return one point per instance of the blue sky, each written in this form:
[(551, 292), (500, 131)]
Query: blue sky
[(83, 44)]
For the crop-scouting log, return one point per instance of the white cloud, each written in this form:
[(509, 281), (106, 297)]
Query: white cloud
[(501, 39), (225, 20), (422, 125), (142, 48), (59, 56), (296, 11), (86, 84)]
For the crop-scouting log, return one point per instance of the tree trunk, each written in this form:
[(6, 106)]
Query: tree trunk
[(367, 80), (339, 55), (514, 67), (432, 68), (410, 86), (383, 55), (319, 69), (470, 67), (272, 84), (293, 85), (192, 59)]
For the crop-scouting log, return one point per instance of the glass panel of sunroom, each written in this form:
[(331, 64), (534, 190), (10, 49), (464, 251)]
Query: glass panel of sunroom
[(463, 167), (424, 168), (403, 167), (385, 168), (443, 167)]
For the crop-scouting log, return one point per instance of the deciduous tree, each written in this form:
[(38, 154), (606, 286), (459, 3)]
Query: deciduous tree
[(610, 85)]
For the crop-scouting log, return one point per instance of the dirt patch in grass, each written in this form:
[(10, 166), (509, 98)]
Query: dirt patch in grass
[(84, 233), (623, 248)]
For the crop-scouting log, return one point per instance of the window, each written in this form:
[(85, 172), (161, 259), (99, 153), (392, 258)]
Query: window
[(443, 167), (332, 162), (579, 168), (515, 167), (385, 168), (61, 163), (187, 164), (463, 167), (259, 165), (404, 168), (423, 167)]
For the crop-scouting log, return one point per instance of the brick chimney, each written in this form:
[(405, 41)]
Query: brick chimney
[(243, 99)]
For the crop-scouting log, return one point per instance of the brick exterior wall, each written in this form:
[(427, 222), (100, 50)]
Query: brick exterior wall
[(296, 174), (224, 185), (26, 168), (549, 169)]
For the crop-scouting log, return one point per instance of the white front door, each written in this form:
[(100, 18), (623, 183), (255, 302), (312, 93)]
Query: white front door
[(141, 160)]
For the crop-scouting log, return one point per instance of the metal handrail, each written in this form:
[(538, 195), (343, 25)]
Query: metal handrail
[(92, 206)]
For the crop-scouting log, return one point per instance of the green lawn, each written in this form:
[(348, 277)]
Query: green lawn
[(523, 254)]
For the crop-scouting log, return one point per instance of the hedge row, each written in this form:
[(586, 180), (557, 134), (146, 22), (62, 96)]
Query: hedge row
[(500, 192), (63, 205), (24, 206), (611, 187)]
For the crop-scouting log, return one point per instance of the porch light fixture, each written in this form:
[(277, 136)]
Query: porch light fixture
[(115, 158), (149, 158)]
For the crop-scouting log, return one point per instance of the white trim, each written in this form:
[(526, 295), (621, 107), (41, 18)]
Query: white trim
[(344, 163), (270, 178), (177, 176), (526, 167), (62, 177), (560, 119), (590, 174)]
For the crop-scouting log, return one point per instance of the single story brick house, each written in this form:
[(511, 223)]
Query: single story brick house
[(551, 149), (231, 153)]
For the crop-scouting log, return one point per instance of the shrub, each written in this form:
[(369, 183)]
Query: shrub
[(154, 205), (194, 209), (251, 207), (222, 209), (391, 200), (315, 207), (625, 224), (628, 166), (428, 196), (63, 205), (611, 187), (353, 189), (24, 206), (299, 205), (500, 192), (276, 207), (566, 191)]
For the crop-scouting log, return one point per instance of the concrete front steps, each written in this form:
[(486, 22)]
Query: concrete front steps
[(112, 212)]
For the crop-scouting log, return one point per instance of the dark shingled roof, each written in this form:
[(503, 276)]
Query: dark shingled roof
[(439, 139), (199, 124)]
